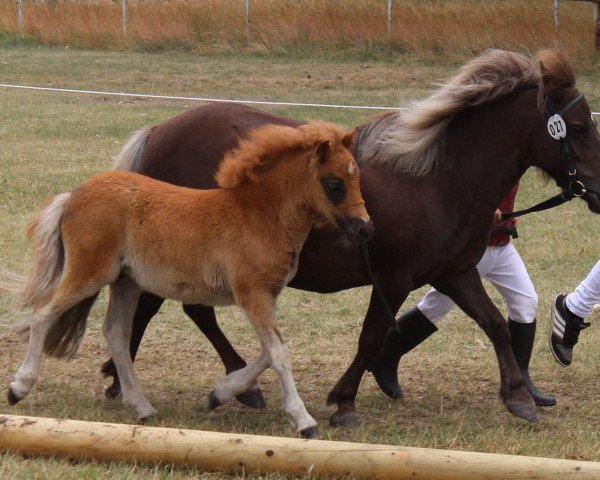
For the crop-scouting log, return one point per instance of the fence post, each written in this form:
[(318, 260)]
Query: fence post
[(390, 5), (248, 21), (21, 17), (556, 19), (124, 10), (597, 18)]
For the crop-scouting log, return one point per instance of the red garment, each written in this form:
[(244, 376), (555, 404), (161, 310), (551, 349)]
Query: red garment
[(507, 205)]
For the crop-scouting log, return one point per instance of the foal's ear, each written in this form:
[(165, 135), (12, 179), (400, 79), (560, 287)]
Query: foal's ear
[(322, 151), (348, 139)]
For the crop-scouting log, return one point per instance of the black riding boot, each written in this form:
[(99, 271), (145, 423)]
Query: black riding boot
[(414, 329), (522, 336)]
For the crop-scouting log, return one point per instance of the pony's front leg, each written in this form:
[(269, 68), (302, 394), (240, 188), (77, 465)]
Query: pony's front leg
[(469, 294), (124, 295)]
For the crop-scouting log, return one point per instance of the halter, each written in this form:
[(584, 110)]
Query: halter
[(557, 129)]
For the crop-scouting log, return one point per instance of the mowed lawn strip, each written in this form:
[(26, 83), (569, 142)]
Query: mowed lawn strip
[(51, 142)]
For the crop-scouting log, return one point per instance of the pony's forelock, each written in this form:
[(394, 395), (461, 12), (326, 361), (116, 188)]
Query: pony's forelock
[(265, 144)]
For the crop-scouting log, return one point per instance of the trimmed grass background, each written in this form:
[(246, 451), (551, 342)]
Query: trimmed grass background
[(50, 142)]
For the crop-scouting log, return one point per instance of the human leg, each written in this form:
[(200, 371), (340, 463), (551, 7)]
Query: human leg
[(508, 274), (568, 314)]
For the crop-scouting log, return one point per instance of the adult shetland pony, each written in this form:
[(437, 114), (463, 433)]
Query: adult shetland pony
[(239, 244), (432, 176)]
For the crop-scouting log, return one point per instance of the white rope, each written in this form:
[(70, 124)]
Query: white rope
[(202, 99), (197, 99)]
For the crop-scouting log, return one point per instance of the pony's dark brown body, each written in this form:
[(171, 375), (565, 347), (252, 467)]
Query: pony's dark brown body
[(429, 229)]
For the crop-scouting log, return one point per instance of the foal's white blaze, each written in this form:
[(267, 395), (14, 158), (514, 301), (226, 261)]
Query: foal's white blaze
[(351, 168)]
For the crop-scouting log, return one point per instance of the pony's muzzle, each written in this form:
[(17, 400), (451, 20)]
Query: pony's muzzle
[(356, 229)]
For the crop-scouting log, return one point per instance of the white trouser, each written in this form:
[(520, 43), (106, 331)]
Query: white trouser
[(503, 267), (581, 302)]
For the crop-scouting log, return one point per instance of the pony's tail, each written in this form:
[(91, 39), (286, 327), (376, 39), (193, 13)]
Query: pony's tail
[(45, 271), (130, 157)]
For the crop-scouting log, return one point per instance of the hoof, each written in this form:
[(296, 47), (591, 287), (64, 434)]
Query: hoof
[(12, 397), (113, 392), (347, 420), (522, 411), (213, 401), (311, 432), (146, 418), (252, 398)]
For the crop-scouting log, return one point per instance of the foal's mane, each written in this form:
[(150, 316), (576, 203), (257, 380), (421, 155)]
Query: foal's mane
[(410, 141), (266, 146)]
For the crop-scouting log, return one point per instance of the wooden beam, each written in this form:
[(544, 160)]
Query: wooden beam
[(261, 454)]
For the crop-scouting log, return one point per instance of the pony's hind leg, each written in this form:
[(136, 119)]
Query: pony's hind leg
[(124, 295)]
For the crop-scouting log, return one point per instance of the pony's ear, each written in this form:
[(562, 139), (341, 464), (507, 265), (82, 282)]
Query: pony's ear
[(348, 138), (322, 151), (557, 72)]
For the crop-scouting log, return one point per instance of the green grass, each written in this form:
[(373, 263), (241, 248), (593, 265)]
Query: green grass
[(50, 142)]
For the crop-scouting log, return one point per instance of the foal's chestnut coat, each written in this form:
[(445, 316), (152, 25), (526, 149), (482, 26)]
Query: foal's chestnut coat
[(238, 244)]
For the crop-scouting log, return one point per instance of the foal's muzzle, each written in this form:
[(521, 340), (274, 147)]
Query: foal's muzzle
[(356, 229)]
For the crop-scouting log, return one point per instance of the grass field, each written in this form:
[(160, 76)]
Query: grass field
[(52, 141)]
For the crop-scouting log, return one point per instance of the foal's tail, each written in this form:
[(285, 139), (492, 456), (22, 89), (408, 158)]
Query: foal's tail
[(130, 156), (47, 253), (45, 271)]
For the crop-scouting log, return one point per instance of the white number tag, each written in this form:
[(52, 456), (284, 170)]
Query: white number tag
[(557, 128)]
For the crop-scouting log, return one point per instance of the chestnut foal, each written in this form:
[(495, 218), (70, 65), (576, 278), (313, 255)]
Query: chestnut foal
[(235, 245)]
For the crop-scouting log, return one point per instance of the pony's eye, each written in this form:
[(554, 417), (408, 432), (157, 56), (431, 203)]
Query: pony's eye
[(579, 129)]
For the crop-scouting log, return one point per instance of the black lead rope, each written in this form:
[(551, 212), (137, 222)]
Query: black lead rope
[(555, 201), (364, 250)]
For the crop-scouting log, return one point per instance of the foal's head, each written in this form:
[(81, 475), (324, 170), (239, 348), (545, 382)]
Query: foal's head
[(334, 190), (325, 171)]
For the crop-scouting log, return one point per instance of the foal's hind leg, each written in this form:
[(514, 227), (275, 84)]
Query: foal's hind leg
[(67, 294), (28, 372), (124, 294)]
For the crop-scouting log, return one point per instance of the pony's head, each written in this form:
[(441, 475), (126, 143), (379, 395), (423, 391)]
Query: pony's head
[(570, 134), (324, 168)]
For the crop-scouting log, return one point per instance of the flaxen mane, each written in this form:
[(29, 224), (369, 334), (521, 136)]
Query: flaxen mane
[(265, 146), (410, 141)]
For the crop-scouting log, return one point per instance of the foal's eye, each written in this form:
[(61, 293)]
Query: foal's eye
[(335, 188)]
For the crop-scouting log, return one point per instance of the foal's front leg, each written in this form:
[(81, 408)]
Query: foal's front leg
[(259, 308), (124, 295)]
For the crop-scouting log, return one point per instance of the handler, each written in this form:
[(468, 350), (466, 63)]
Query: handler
[(502, 265), (568, 314)]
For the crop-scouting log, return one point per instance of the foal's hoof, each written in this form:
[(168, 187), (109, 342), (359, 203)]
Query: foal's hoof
[(252, 398), (213, 401), (12, 397), (310, 432), (146, 416), (523, 411)]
